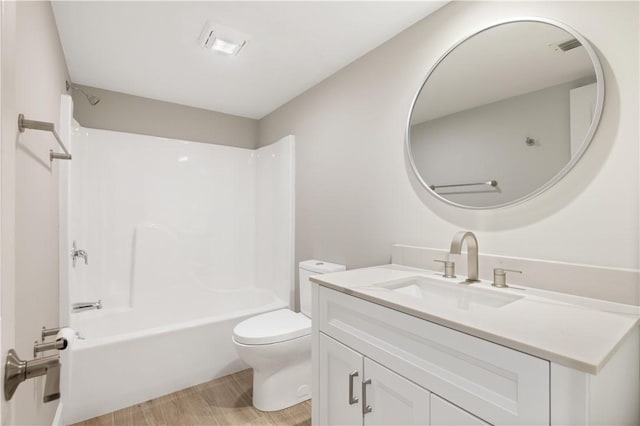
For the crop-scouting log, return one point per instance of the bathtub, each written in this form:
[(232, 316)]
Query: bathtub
[(185, 240), (126, 356)]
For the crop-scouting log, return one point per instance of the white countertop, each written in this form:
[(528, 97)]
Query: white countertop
[(568, 330)]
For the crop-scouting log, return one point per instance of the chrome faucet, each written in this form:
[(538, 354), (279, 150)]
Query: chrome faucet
[(86, 306), (472, 253), (75, 254)]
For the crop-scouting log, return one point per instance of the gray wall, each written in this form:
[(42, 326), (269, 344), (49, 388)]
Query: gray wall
[(40, 71), (9, 130), (488, 143), (355, 193), (134, 114)]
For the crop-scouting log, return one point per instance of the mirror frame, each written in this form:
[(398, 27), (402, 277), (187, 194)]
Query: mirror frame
[(600, 92)]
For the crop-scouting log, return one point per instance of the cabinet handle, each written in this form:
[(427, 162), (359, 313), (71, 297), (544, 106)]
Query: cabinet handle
[(366, 408), (352, 399)]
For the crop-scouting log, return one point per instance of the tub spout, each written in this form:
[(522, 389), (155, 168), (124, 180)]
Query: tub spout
[(86, 306)]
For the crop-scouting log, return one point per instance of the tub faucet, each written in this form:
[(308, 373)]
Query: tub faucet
[(472, 253), (86, 306)]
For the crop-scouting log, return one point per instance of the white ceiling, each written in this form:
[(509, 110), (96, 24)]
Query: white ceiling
[(151, 48)]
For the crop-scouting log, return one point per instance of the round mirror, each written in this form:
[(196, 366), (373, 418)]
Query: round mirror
[(505, 113)]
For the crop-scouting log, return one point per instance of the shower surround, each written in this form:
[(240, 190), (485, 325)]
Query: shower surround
[(184, 240)]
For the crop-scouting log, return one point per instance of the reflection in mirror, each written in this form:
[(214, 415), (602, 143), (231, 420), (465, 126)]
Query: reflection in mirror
[(505, 113)]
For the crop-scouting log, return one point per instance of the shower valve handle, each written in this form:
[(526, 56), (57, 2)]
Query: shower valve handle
[(76, 253)]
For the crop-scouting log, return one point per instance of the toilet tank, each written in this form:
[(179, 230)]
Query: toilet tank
[(307, 269)]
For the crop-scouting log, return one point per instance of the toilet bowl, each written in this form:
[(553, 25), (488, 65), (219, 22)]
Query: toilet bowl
[(281, 360), (277, 345)]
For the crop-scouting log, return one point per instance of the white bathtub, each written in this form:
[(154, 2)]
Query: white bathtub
[(125, 357), (185, 240)]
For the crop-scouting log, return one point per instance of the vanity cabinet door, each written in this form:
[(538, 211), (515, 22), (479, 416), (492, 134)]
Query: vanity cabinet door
[(341, 371), (498, 384), (393, 400), (444, 413)]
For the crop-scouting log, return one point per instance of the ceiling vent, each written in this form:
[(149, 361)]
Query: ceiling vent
[(222, 39), (566, 45)]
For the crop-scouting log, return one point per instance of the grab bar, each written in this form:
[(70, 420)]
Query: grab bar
[(489, 182), (23, 123)]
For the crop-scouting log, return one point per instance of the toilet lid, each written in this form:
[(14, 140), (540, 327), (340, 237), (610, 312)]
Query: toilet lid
[(272, 327)]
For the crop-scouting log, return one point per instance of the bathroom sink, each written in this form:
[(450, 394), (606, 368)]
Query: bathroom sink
[(460, 296)]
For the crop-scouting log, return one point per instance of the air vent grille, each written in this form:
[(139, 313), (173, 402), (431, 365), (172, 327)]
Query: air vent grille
[(222, 39), (569, 44), (207, 38)]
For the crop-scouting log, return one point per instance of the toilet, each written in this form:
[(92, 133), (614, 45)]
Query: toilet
[(277, 345)]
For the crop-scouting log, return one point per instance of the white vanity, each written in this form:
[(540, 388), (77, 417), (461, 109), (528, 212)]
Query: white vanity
[(401, 345)]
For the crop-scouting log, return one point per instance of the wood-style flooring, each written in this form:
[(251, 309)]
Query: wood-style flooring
[(224, 401)]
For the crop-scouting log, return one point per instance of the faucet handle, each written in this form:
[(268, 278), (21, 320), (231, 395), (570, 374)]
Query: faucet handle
[(449, 268), (76, 253), (500, 277)]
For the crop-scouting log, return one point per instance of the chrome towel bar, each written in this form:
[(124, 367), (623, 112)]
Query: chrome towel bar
[(489, 182), (23, 123)]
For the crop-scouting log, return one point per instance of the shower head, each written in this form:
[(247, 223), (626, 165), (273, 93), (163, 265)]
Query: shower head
[(93, 100)]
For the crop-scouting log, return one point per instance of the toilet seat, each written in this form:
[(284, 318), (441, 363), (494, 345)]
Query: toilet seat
[(272, 327)]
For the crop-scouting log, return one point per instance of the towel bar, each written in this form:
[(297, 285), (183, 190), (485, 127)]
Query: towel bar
[(23, 123)]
